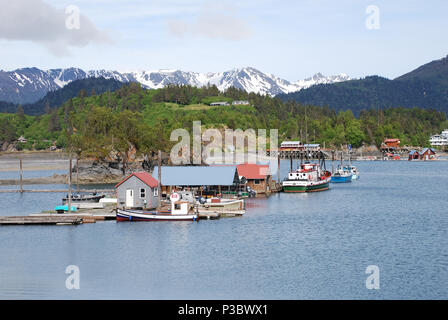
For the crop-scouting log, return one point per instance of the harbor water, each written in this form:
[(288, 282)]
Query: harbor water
[(287, 246)]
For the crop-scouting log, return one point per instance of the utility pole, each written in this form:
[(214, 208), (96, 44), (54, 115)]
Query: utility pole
[(159, 173), (69, 208)]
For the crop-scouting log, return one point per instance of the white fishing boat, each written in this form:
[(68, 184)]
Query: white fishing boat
[(179, 211), (310, 177)]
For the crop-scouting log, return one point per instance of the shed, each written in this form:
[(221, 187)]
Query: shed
[(258, 177), (414, 155), (138, 190), (427, 154)]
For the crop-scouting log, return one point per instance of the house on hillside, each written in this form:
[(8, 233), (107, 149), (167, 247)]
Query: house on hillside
[(138, 190), (219, 103), (240, 103)]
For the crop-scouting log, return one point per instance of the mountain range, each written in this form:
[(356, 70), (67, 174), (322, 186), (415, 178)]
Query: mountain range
[(27, 85), (424, 87)]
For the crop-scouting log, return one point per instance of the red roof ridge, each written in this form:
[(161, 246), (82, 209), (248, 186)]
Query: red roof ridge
[(144, 176)]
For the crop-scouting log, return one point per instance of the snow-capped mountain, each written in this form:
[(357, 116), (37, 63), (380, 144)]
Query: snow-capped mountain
[(30, 84)]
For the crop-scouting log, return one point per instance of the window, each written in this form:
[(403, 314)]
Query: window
[(142, 193), (156, 192), (256, 181)]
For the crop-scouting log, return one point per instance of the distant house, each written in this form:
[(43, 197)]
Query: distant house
[(240, 103), (138, 190), (414, 155), (439, 139), (390, 144), (312, 146), (291, 145), (22, 139), (257, 177), (428, 154), (220, 103), (425, 154)]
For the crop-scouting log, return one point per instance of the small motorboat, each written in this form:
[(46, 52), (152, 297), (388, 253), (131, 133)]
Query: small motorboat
[(354, 171), (89, 197), (62, 209), (180, 211)]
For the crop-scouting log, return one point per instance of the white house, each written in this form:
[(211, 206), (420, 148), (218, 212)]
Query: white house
[(439, 139)]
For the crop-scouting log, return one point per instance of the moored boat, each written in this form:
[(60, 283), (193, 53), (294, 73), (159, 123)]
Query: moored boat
[(341, 175), (354, 171), (309, 177), (179, 211), (90, 198)]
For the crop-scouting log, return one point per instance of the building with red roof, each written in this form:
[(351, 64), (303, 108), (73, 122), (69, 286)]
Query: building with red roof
[(138, 190), (256, 176)]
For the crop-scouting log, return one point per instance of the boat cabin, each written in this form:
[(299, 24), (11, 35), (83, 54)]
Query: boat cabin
[(138, 191)]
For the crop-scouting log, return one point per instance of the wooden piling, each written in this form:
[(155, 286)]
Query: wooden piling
[(21, 176)]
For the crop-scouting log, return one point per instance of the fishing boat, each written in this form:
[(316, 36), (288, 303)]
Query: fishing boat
[(309, 177), (180, 211), (341, 175), (354, 171)]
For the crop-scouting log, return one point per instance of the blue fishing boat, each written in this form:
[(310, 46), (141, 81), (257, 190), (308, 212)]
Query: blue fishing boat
[(341, 175)]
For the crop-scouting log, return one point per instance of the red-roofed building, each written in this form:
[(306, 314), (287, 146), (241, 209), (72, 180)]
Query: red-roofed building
[(138, 190), (258, 177)]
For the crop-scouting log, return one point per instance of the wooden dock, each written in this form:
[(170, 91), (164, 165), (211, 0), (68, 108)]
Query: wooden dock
[(57, 218), (108, 191), (31, 220)]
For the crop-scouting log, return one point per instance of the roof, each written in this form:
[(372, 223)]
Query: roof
[(290, 142), (197, 175), (427, 149), (144, 176), (311, 145), (412, 152), (391, 140), (253, 171)]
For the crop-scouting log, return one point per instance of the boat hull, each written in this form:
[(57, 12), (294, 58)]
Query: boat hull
[(336, 179), (140, 215), (306, 188)]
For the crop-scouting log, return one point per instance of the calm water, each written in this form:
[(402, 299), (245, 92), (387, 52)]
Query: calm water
[(289, 246)]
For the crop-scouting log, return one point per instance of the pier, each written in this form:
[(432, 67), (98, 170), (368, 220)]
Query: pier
[(58, 218)]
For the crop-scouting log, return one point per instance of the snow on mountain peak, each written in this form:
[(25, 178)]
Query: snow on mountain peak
[(30, 84)]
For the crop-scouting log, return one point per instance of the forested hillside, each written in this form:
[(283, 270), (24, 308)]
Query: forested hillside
[(131, 116), (425, 87)]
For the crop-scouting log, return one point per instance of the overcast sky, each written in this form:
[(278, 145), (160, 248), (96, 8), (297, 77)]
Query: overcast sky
[(291, 39)]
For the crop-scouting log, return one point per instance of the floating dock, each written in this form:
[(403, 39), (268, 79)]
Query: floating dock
[(36, 220)]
